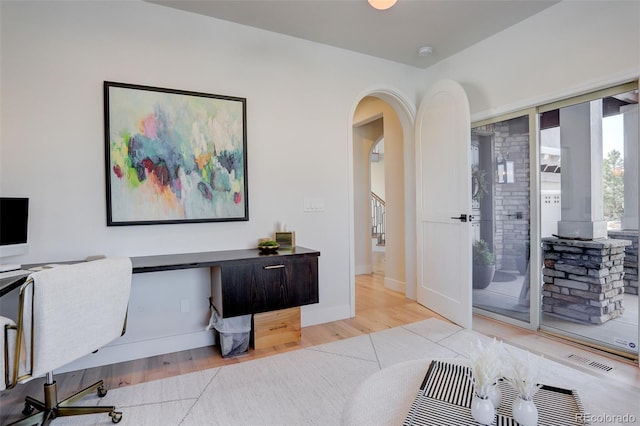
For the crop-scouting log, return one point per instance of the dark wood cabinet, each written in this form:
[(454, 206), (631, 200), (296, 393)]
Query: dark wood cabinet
[(265, 283)]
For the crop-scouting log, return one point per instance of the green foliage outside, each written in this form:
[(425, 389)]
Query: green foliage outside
[(613, 186), (481, 253)]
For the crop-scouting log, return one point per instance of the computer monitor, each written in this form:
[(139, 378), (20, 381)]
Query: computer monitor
[(14, 214)]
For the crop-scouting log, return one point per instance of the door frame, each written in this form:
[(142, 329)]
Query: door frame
[(534, 221), (406, 113)]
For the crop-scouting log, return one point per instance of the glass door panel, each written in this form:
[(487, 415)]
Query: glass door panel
[(500, 172), (589, 220)]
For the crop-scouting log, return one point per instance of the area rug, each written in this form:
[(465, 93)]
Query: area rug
[(311, 386)]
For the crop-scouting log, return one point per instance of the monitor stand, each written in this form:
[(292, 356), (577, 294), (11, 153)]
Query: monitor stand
[(10, 267)]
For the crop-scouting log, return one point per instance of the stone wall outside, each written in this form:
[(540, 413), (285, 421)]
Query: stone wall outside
[(630, 259), (511, 200), (583, 280)]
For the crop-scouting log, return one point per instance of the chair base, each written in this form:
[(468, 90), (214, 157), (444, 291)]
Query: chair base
[(51, 408)]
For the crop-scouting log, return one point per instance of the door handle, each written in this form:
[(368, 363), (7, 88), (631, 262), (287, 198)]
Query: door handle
[(461, 218), (274, 267)]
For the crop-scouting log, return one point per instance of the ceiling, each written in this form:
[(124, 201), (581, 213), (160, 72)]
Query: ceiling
[(448, 26)]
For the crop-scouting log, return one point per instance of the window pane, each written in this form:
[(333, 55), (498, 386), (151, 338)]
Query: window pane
[(501, 206), (589, 220)]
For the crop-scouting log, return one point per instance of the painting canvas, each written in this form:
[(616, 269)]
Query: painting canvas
[(174, 156)]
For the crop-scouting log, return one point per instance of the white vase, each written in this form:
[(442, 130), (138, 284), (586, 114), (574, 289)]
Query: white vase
[(482, 410), (495, 396), (525, 412)]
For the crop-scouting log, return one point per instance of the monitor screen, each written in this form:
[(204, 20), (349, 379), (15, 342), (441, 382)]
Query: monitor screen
[(14, 213)]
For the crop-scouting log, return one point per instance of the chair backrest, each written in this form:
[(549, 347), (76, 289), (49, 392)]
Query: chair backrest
[(73, 310)]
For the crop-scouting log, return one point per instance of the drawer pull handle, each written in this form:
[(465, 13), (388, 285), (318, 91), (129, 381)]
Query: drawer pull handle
[(274, 267)]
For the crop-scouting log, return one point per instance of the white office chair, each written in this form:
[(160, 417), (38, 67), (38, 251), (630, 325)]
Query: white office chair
[(65, 313)]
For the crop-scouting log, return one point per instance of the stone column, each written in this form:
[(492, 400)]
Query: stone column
[(583, 269), (581, 150), (583, 280)]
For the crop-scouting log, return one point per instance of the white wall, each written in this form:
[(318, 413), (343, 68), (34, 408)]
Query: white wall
[(300, 98), (569, 48)]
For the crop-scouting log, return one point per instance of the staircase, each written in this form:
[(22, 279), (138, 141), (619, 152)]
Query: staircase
[(377, 219)]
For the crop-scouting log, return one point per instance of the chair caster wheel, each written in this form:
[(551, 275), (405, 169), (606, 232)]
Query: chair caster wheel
[(116, 416), (102, 392), (28, 409)]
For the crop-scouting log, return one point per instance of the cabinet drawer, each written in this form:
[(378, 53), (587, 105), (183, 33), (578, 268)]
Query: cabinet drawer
[(265, 284)]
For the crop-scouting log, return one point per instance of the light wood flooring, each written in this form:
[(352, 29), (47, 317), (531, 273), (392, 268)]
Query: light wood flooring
[(377, 309)]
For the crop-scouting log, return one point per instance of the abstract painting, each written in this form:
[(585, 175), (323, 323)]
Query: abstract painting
[(174, 156)]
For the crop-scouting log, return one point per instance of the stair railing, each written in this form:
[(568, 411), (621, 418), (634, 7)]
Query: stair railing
[(378, 218)]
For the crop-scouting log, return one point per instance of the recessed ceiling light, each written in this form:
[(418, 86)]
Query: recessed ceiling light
[(425, 51), (382, 4)]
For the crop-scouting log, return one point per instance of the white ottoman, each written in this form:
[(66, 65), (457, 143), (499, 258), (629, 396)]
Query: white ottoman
[(386, 396)]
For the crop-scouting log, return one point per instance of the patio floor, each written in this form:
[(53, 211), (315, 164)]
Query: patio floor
[(501, 297)]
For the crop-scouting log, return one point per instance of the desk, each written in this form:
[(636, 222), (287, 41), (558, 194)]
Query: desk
[(242, 281)]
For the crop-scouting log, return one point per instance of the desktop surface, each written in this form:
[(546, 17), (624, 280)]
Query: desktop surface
[(10, 273), (9, 267), (164, 262), (12, 279)]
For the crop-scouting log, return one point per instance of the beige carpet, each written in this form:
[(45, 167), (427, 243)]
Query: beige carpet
[(310, 386)]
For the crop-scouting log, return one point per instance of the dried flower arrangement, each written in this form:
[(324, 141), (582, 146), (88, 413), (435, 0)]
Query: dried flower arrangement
[(486, 365), (523, 373)]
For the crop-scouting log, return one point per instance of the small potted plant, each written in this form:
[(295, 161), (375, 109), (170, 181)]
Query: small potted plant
[(479, 185), (483, 264), (268, 247)]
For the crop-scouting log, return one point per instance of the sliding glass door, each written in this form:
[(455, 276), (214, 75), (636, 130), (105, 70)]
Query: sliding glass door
[(501, 206), (589, 218), (555, 203)]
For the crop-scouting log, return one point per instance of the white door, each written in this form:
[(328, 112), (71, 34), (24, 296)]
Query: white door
[(443, 190)]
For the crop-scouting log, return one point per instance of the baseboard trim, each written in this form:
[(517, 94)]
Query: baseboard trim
[(396, 285), (115, 352), (313, 314), (122, 352)]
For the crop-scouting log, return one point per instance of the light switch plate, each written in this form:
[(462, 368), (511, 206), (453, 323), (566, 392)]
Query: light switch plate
[(313, 205)]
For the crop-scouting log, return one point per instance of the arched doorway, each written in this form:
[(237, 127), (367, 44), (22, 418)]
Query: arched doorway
[(383, 114)]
